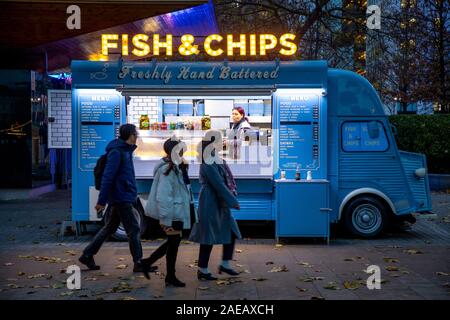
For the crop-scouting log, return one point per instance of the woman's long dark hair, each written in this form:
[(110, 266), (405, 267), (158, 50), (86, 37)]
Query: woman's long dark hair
[(169, 145)]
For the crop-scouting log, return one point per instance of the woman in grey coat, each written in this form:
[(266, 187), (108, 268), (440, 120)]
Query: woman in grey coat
[(215, 223)]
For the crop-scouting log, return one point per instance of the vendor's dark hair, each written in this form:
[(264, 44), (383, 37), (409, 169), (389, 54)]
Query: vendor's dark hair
[(126, 130), (241, 111), (169, 145)]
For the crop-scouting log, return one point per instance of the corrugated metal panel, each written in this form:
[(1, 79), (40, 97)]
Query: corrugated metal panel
[(358, 170), (253, 207), (419, 186)]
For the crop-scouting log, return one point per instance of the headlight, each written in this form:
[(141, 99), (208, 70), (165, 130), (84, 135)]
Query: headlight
[(421, 172)]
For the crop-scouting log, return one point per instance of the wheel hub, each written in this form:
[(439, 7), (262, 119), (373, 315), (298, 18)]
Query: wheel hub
[(366, 218)]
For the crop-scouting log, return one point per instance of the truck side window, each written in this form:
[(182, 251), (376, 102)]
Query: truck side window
[(360, 136)]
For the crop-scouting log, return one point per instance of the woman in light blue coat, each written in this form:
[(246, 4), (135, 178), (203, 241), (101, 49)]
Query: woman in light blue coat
[(169, 202), (215, 224)]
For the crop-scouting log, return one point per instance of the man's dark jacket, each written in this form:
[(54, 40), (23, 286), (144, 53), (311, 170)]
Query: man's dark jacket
[(118, 181)]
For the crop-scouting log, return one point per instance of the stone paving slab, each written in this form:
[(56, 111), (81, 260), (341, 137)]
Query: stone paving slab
[(308, 269), (417, 277)]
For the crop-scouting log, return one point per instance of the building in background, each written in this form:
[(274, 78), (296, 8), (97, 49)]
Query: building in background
[(36, 57)]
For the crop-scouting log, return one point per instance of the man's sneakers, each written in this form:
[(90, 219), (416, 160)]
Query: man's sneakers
[(89, 262)]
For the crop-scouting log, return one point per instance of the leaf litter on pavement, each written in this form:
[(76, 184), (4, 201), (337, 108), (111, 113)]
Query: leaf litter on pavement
[(279, 269)]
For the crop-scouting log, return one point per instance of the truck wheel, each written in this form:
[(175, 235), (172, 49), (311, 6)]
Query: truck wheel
[(121, 234), (365, 217)]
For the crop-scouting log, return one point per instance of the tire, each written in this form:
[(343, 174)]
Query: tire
[(365, 217), (121, 235)]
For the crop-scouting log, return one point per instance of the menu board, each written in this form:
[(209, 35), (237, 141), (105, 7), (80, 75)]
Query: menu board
[(99, 117), (296, 145), (298, 108), (298, 133)]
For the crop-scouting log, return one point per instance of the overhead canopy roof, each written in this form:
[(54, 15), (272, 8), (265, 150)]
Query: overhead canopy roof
[(34, 35)]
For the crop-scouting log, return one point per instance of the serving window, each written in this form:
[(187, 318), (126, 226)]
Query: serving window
[(188, 118)]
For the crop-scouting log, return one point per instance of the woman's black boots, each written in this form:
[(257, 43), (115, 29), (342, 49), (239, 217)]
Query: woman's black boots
[(171, 259)]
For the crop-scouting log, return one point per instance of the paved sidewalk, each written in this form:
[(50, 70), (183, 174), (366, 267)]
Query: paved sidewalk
[(415, 263)]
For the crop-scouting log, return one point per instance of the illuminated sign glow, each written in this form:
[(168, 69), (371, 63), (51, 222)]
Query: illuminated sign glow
[(214, 45)]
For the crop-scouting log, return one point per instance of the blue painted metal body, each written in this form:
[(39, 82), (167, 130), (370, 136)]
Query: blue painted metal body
[(361, 159)]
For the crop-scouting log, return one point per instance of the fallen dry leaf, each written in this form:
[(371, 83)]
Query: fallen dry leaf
[(67, 293), (122, 288), (304, 264), (41, 275), (279, 269), (331, 286), (14, 286), (121, 259), (121, 266), (158, 296), (259, 279), (392, 268), (311, 279), (413, 251), (186, 242), (439, 273), (90, 279), (203, 288), (353, 258), (302, 289), (128, 298), (227, 281), (130, 278), (46, 286), (317, 298), (390, 260), (21, 273), (269, 262), (8, 264), (102, 274), (352, 285), (71, 252), (238, 251), (58, 285)]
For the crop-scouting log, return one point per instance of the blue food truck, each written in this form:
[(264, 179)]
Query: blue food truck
[(320, 151)]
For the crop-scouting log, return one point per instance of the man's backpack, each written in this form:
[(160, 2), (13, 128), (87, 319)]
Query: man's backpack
[(99, 169)]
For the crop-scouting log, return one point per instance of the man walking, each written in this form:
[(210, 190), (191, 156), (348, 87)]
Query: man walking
[(118, 189)]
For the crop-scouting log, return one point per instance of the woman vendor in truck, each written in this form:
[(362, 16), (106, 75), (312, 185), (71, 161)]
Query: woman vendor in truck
[(238, 132)]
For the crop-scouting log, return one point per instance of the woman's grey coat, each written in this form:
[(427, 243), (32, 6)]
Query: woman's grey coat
[(216, 224)]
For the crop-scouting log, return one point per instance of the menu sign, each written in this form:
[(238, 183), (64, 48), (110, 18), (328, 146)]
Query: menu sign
[(99, 115), (298, 132), (298, 108), (295, 147)]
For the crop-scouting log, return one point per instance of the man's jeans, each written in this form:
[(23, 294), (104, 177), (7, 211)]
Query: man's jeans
[(119, 213)]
